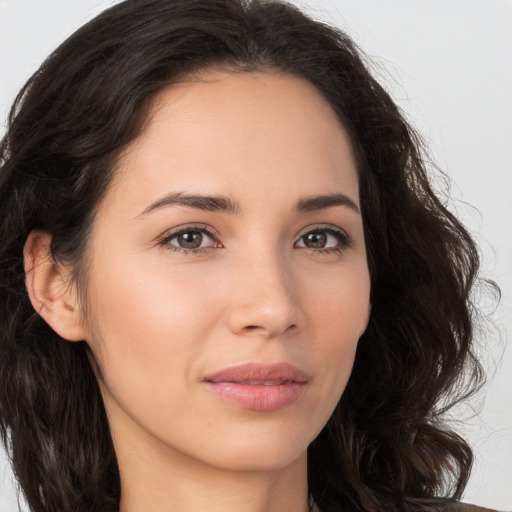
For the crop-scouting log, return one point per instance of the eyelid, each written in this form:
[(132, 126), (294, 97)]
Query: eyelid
[(164, 239), (170, 234), (322, 227), (343, 238)]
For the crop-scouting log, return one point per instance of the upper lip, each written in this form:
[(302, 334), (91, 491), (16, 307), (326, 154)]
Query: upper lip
[(259, 372)]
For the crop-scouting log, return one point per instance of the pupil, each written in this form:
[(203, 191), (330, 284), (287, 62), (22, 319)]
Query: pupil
[(190, 240), (317, 239)]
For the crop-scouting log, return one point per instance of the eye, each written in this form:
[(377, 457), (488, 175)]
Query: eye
[(324, 240), (189, 239)]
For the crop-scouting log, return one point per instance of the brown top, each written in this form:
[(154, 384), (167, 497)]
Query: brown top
[(453, 507), (464, 507)]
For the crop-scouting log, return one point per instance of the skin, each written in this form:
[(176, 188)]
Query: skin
[(160, 320)]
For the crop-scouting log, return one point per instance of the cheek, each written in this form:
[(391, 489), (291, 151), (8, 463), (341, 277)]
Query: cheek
[(149, 324), (340, 304), (140, 297), (339, 316)]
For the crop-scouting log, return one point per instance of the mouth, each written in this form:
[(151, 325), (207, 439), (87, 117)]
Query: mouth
[(259, 386), (263, 383)]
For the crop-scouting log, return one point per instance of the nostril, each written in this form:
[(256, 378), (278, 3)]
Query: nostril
[(258, 327)]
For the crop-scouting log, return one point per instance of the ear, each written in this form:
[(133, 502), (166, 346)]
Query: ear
[(50, 288)]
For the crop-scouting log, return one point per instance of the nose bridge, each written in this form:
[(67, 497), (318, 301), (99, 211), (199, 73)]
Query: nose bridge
[(266, 299)]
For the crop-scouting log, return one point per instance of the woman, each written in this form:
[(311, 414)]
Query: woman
[(226, 283)]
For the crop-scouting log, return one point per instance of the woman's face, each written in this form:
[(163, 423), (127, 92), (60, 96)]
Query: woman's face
[(227, 277)]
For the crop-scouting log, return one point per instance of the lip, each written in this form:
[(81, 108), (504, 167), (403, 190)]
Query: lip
[(259, 386)]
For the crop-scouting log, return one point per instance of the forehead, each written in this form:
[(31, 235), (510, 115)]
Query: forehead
[(266, 104), (229, 133)]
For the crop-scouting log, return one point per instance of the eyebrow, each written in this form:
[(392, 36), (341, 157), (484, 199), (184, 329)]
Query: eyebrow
[(225, 204), (201, 202), (309, 204)]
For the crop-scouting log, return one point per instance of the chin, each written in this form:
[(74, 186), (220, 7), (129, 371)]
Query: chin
[(260, 452), (269, 460)]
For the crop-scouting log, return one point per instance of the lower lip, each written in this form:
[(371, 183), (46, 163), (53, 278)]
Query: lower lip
[(258, 397)]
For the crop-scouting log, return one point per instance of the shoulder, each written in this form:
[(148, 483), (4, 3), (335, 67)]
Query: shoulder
[(448, 506), (465, 507)]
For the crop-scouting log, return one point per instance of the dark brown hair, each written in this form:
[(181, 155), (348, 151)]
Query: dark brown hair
[(385, 446)]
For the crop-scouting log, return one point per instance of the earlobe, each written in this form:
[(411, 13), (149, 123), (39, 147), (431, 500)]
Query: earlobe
[(50, 289)]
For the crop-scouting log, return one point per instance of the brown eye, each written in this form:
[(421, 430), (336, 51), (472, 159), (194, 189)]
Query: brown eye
[(326, 239), (189, 239), (315, 240)]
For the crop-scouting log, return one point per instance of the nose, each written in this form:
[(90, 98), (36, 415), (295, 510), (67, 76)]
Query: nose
[(265, 298)]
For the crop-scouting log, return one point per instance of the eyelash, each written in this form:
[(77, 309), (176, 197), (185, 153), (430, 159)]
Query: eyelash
[(164, 241), (342, 237)]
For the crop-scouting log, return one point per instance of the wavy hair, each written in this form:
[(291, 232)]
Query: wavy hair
[(385, 446)]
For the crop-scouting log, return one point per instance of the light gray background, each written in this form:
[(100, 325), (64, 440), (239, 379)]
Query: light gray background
[(448, 63)]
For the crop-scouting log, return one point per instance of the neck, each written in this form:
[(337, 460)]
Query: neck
[(156, 479), (160, 487)]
